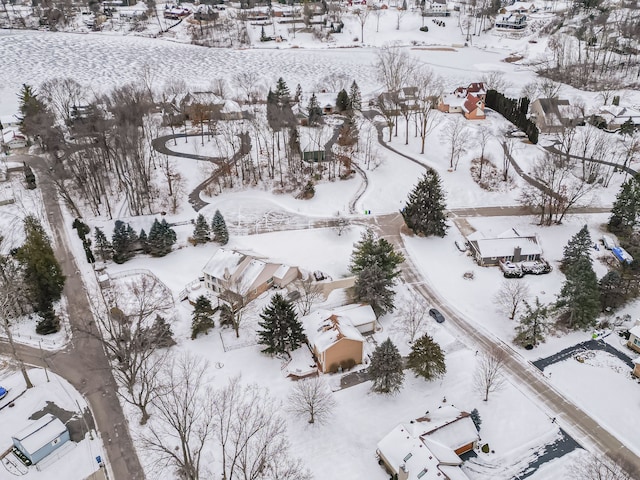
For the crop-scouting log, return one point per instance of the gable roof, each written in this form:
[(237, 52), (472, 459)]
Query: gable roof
[(635, 331), (450, 427), (477, 88), (359, 313), (324, 329), (40, 433), (503, 244), (471, 103), (222, 263)]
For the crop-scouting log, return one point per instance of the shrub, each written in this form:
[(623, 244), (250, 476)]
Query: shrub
[(485, 448), (424, 29)]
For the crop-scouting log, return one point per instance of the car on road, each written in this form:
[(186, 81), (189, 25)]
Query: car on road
[(437, 316), (3, 393)]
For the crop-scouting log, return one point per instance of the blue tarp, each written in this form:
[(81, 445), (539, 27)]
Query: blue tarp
[(622, 255), (3, 392)]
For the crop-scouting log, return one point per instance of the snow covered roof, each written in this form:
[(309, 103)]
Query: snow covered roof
[(450, 427), (282, 271), (249, 276), (453, 100), (471, 103), (302, 363), (223, 261), (504, 247), (231, 107), (453, 472), (359, 313), (324, 329), (635, 331), (620, 114), (40, 433), (314, 138), (399, 447)]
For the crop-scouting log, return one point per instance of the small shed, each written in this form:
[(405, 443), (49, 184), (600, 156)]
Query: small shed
[(41, 438)]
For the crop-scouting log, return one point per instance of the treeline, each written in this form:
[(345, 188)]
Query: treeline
[(515, 111)]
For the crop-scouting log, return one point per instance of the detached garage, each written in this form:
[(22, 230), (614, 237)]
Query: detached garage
[(41, 438)]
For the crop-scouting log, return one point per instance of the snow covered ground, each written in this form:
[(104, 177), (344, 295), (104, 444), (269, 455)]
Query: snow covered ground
[(513, 425)]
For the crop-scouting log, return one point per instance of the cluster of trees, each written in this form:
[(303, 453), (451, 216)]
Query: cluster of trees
[(386, 370), (217, 231), (125, 242), (37, 277), (515, 111)]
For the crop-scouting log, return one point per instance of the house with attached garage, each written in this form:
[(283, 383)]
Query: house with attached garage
[(509, 246), (470, 101), (335, 341), (616, 116), (238, 278), (552, 115), (428, 448), (41, 438)]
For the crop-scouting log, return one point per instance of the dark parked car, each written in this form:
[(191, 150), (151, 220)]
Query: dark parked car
[(437, 316)]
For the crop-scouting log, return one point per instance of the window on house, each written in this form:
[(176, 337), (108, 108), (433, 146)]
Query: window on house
[(636, 341), (270, 281)]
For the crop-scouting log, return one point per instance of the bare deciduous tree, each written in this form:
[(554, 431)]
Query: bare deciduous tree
[(183, 424), (252, 435), (429, 89), (484, 135), (412, 317), (310, 293), (247, 82), (312, 398), (458, 137), (394, 66), (489, 376), (599, 467), (362, 14), (61, 95), (510, 296)]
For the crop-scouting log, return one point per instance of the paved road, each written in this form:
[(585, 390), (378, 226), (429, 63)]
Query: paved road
[(582, 427), (84, 363)]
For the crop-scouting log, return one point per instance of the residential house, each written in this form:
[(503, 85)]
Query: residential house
[(466, 100), (174, 12), (509, 246), (314, 142), (239, 278), (511, 21), (634, 337), (520, 7), (436, 8), (428, 448), (552, 115), (334, 340), (41, 438), (205, 13), (616, 116)]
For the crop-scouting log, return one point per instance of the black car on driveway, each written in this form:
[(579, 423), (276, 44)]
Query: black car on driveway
[(437, 316)]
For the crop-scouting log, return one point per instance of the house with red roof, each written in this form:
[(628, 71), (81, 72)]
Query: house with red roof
[(466, 100)]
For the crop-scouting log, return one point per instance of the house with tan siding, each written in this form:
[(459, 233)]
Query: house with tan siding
[(334, 340), (634, 338)]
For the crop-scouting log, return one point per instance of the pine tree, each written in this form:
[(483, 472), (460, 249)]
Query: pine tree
[(579, 297), (424, 211), (202, 317), (375, 264), (314, 111), (49, 322), (42, 272), (161, 333), (298, 96), (386, 368), (612, 294), (123, 242), (355, 100), (534, 324), (143, 239), (103, 247), (475, 418), (161, 238), (342, 102), (624, 213), (226, 316), (201, 230), (282, 93), (219, 229), (281, 331), (426, 359), (579, 246)]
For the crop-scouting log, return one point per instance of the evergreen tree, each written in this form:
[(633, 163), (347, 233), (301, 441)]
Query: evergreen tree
[(624, 213), (282, 93), (579, 246), (342, 102), (612, 294), (475, 418), (579, 297), (375, 264), (202, 317), (103, 247), (161, 238), (426, 358), (314, 111), (161, 333), (42, 273), (201, 230), (143, 239), (424, 211), (386, 368), (534, 324), (226, 316), (355, 100), (281, 331), (123, 242), (49, 322), (219, 229)]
